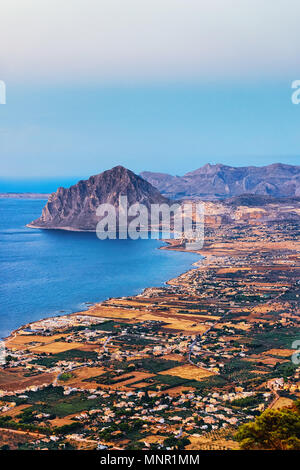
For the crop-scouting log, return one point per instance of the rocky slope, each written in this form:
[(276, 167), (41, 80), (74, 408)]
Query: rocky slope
[(74, 208), (221, 181), (248, 209)]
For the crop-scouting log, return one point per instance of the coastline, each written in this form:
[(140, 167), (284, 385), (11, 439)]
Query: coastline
[(37, 196), (198, 330), (170, 244), (67, 229), (212, 255)]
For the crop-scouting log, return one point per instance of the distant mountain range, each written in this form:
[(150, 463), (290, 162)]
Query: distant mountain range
[(275, 195), (74, 208), (24, 195), (220, 181)]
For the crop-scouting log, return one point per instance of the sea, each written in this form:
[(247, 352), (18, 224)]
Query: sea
[(54, 272)]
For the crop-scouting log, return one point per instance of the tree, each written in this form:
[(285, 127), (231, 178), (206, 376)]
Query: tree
[(176, 443), (183, 442), (135, 446), (5, 447), (170, 442), (273, 429)]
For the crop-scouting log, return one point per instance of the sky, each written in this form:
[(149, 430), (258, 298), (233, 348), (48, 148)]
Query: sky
[(166, 85)]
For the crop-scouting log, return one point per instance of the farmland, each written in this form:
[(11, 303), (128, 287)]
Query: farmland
[(198, 357)]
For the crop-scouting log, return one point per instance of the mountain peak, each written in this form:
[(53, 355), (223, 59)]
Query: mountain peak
[(75, 208), (118, 169)]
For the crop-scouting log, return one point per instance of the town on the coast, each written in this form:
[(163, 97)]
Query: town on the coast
[(180, 366)]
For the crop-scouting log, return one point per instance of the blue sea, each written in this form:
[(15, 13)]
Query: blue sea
[(52, 272)]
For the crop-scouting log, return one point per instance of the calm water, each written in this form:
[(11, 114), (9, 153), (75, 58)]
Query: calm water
[(49, 272)]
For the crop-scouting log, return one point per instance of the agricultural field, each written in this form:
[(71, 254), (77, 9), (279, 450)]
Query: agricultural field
[(21, 341), (189, 372), (22, 378), (197, 358), (78, 377), (55, 347)]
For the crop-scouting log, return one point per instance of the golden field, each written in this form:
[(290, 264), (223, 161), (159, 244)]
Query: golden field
[(189, 372)]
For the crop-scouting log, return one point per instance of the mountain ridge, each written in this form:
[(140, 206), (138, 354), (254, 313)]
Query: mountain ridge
[(222, 181)]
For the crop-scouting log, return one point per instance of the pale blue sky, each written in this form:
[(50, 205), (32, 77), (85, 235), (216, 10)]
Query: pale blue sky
[(166, 85)]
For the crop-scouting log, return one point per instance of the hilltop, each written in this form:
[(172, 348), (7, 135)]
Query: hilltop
[(222, 181)]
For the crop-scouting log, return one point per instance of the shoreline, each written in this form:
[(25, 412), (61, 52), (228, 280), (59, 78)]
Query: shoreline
[(26, 196), (172, 245), (66, 229)]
